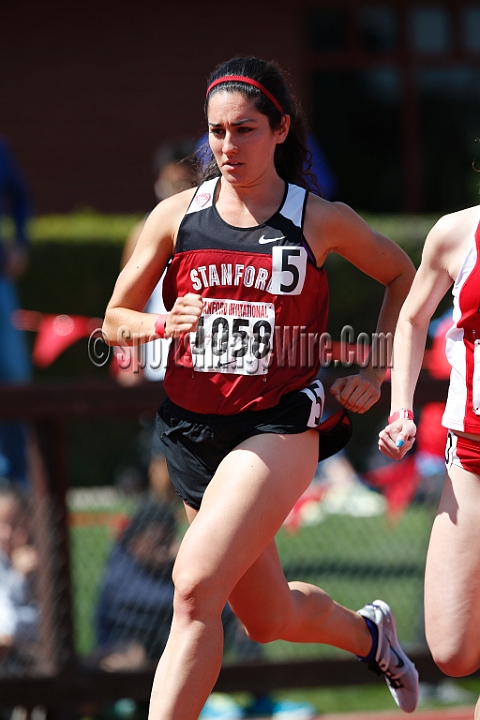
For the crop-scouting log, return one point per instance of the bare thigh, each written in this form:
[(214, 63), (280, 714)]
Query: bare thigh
[(243, 508), (452, 580)]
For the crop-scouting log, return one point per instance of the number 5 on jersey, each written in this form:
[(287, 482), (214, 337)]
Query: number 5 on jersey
[(289, 267)]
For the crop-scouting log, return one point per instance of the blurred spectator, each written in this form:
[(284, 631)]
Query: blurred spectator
[(14, 356), (18, 562)]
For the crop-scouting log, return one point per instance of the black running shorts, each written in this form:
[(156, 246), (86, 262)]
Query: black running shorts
[(195, 444)]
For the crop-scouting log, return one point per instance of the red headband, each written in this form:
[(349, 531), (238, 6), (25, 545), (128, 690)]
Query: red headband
[(248, 81)]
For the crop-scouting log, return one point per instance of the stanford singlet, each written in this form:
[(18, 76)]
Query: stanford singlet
[(265, 308), (462, 411)]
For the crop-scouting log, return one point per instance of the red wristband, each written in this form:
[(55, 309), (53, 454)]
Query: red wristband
[(401, 415), (160, 325)]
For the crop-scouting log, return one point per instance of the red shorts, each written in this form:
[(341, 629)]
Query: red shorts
[(463, 452)]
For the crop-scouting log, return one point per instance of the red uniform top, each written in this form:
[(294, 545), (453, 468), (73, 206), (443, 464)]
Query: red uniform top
[(462, 411), (265, 308)]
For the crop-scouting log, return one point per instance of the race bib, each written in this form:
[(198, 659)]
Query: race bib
[(234, 336)]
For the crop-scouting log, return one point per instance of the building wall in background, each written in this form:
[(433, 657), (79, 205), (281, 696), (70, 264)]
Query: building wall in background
[(89, 90), (395, 90), (391, 87)]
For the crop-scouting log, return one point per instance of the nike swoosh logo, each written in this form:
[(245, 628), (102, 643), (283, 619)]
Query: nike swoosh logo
[(263, 240), (400, 663)]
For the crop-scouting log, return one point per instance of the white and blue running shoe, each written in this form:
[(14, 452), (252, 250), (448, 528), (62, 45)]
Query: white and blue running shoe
[(391, 661)]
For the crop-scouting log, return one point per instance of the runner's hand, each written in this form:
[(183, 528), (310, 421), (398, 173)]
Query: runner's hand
[(396, 439), (356, 392), (184, 315)]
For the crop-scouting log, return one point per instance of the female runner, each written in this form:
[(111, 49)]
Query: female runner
[(452, 578), (245, 284)]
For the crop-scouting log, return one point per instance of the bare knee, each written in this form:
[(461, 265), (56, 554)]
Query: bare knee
[(453, 657), (196, 597), (451, 641), (454, 665)]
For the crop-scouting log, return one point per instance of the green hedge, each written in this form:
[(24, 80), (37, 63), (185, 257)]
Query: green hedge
[(82, 226), (91, 226)]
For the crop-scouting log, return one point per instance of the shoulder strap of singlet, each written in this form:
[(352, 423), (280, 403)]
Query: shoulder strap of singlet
[(294, 209), (203, 197), (294, 206)]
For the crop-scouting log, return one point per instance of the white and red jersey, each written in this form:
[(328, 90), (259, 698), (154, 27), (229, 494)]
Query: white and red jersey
[(265, 308), (462, 411)]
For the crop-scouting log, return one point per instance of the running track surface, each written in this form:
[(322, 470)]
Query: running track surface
[(455, 713)]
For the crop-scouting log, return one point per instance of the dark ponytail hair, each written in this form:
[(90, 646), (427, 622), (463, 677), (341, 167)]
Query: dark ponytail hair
[(293, 161)]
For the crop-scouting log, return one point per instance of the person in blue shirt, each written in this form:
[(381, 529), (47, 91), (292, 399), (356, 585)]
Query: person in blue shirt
[(14, 355)]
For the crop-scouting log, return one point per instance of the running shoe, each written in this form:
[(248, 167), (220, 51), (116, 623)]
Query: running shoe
[(390, 661)]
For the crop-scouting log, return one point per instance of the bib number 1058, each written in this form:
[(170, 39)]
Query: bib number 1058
[(234, 337)]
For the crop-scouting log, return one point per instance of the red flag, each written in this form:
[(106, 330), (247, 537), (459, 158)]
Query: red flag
[(398, 481), (56, 333)]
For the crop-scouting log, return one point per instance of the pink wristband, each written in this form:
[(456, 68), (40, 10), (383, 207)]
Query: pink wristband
[(401, 414), (160, 325)]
